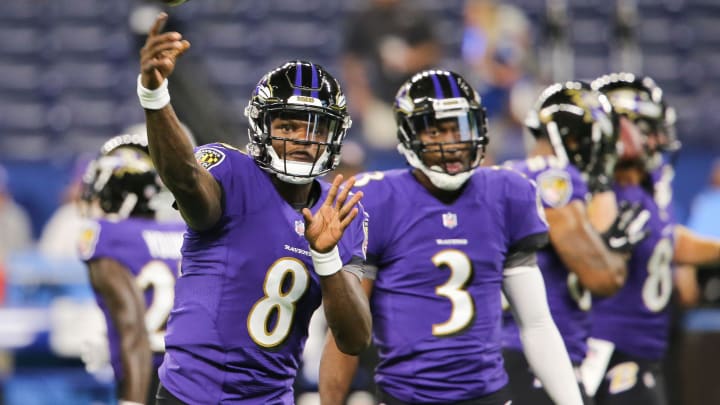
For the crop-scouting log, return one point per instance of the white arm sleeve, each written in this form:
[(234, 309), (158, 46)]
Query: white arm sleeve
[(543, 346)]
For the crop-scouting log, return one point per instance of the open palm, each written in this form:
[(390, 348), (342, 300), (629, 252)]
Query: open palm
[(324, 229)]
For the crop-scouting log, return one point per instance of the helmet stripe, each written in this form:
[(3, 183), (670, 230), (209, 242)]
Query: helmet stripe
[(437, 86), (298, 79), (453, 86), (314, 83)]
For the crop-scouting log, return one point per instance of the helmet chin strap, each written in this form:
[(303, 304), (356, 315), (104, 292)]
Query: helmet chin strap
[(442, 181), (288, 170)]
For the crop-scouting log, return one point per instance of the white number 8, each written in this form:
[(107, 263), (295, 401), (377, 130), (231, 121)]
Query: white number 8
[(658, 286), (275, 300)]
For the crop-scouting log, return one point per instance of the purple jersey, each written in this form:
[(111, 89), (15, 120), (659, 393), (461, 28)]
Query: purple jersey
[(436, 297), (558, 184), (246, 292), (150, 251), (636, 318)]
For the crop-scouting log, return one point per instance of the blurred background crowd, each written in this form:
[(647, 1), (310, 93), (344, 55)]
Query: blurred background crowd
[(68, 70)]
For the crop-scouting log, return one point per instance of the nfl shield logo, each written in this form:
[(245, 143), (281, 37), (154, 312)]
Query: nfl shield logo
[(449, 220), (300, 227)]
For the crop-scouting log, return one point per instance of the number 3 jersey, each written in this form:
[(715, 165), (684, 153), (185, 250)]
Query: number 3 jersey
[(636, 319), (150, 251), (558, 185), (436, 296), (246, 293)]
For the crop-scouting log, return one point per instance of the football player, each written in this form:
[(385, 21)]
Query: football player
[(266, 240), (453, 237), (572, 158), (630, 329), (132, 261)]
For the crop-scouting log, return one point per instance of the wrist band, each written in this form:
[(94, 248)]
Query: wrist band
[(326, 264), (153, 99), (124, 402)]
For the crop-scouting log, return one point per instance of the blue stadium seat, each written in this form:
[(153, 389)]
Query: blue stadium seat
[(107, 12), (89, 113), (23, 11), (235, 37), (22, 41)]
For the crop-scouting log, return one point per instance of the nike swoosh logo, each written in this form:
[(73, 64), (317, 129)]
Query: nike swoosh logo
[(617, 242)]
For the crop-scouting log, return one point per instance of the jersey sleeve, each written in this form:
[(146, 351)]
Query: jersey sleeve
[(373, 201), (101, 239), (525, 221), (88, 241), (227, 166), (558, 187)]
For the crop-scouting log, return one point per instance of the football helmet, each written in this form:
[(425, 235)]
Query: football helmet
[(641, 100), (436, 101), (299, 93), (122, 180), (581, 127)]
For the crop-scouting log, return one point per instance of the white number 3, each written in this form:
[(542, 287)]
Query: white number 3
[(463, 308)]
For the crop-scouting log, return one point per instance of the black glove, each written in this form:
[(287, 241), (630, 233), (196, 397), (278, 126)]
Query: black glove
[(599, 183), (629, 228)]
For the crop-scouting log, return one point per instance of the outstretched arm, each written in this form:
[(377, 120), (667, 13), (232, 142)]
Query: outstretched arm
[(694, 249), (198, 195), (583, 251), (543, 346), (338, 369), (346, 306), (127, 309)]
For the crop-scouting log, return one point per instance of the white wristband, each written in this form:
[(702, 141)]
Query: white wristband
[(326, 264), (153, 99), (124, 402)]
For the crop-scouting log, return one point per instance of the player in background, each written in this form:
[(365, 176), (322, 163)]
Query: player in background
[(571, 161), (640, 100), (453, 236), (132, 261), (630, 329), (266, 241)]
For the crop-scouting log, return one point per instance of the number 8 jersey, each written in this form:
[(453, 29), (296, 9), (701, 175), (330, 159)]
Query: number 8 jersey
[(436, 295), (636, 319), (247, 291), (150, 251)]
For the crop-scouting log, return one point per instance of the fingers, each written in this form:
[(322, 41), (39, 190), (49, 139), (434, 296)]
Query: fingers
[(350, 204), (348, 219), (159, 24), (158, 56), (307, 215), (333, 190), (344, 193)]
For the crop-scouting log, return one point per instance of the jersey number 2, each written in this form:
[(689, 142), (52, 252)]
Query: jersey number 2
[(158, 276)]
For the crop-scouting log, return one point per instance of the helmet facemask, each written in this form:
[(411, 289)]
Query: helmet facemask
[(641, 101), (297, 144), (581, 128), (446, 141)]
